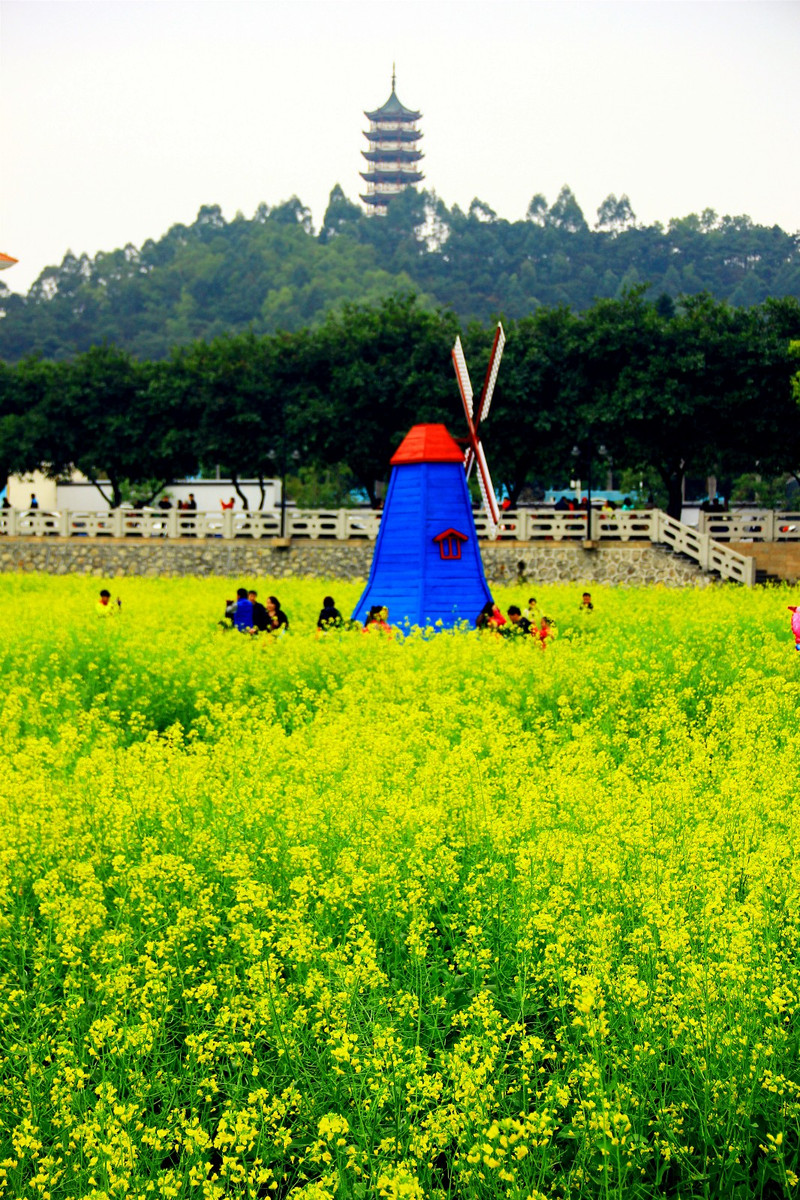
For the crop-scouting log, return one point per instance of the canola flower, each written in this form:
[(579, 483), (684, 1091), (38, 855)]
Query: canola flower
[(367, 917)]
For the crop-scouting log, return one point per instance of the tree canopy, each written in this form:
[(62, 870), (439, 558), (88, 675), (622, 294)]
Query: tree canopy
[(695, 387), (274, 272)]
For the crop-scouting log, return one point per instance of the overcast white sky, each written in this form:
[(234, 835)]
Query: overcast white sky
[(122, 117)]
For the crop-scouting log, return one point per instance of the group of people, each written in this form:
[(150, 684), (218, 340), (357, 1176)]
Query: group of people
[(247, 614), (189, 505), (530, 623), (607, 507)]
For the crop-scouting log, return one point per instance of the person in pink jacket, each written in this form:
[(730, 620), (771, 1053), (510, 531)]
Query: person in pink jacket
[(794, 609)]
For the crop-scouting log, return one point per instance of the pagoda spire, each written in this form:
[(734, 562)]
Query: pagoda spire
[(392, 154)]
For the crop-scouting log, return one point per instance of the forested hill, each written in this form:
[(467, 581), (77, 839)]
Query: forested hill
[(275, 272)]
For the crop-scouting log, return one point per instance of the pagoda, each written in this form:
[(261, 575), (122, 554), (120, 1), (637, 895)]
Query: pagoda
[(392, 156)]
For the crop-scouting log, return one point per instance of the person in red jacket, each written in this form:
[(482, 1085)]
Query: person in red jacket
[(545, 632), (490, 618)]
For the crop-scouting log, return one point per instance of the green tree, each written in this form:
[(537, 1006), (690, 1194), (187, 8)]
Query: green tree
[(372, 373), (537, 411), (236, 408)]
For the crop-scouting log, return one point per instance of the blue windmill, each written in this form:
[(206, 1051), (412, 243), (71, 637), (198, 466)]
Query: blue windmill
[(427, 565)]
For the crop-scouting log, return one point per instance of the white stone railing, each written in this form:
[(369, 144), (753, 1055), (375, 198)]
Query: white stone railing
[(764, 526), (707, 553), (521, 525), (342, 524)]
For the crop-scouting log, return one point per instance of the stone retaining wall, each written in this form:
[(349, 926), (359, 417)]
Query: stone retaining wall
[(543, 562)]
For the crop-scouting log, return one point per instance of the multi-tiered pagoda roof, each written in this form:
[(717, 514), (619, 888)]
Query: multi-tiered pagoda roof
[(393, 154)]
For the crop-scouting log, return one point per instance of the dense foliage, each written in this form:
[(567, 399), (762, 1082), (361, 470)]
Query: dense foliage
[(274, 272), (699, 387), (366, 918)]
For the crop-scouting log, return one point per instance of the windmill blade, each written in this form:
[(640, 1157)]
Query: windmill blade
[(469, 460), (487, 490), (491, 373), (462, 375)]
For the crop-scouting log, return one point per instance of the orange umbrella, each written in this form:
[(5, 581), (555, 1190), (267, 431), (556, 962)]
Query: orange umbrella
[(6, 261)]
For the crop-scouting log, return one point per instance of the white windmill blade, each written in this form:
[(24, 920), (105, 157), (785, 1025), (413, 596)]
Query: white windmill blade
[(491, 371), (469, 460), (487, 490), (462, 375)]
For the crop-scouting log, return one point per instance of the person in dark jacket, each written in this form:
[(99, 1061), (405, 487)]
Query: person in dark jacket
[(276, 617), (330, 617), (517, 623), (260, 618)]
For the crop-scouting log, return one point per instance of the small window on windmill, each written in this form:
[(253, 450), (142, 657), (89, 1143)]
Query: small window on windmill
[(449, 543)]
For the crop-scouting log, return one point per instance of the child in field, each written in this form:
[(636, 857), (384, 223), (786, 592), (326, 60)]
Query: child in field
[(794, 609), (104, 607), (545, 632)]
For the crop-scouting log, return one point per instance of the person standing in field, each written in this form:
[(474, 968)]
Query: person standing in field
[(532, 611), (545, 632), (794, 609), (330, 617), (240, 611), (260, 618), (490, 618), (518, 624), (104, 607), (277, 621), (586, 605), (378, 621)]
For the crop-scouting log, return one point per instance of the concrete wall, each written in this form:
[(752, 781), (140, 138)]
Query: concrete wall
[(777, 558), (246, 559)]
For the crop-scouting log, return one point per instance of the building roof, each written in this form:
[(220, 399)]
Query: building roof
[(428, 444), (393, 110), (393, 135), (398, 154), (388, 174)]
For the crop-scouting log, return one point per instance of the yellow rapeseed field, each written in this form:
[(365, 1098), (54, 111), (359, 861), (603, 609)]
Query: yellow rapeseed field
[(446, 916)]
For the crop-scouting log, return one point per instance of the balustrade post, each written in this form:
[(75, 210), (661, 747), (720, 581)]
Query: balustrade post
[(63, 524), (704, 550), (116, 522), (769, 526), (12, 517), (172, 523), (227, 524), (749, 571), (341, 524)]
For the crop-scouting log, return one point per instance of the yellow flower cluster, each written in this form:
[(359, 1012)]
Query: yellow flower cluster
[(427, 917)]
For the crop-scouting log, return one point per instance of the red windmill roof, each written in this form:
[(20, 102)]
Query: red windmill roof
[(427, 443)]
